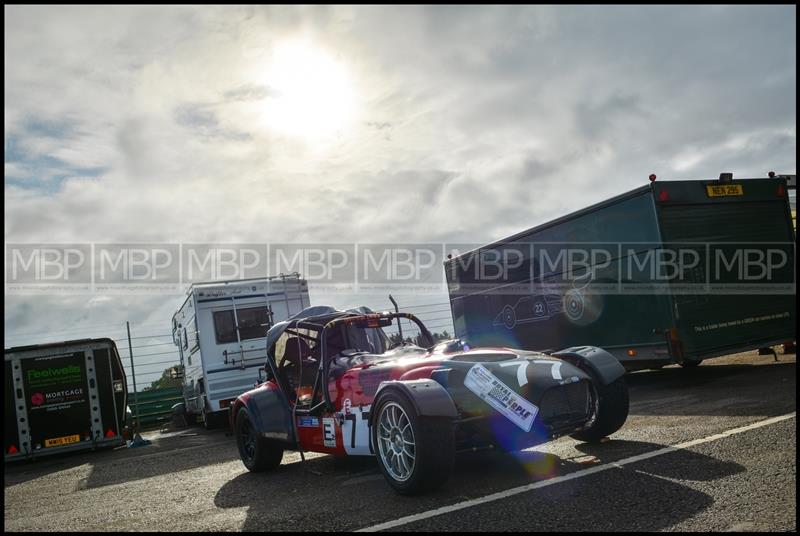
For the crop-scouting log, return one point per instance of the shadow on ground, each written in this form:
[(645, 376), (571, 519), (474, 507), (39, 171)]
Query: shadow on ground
[(187, 449), (726, 390), (325, 492)]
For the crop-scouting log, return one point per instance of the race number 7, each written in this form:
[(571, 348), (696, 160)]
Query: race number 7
[(357, 430)]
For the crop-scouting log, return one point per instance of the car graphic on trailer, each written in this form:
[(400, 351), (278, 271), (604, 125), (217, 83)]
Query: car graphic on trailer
[(335, 384)]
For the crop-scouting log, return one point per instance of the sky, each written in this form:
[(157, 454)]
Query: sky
[(350, 124)]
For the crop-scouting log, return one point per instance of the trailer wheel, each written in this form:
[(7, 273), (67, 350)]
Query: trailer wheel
[(257, 454), (612, 411), (415, 453)]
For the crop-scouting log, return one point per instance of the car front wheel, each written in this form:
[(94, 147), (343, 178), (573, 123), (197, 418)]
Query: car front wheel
[(258, 454), (612, 411), (415, 453)]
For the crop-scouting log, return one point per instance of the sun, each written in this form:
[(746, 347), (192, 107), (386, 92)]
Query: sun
[(311, 92)]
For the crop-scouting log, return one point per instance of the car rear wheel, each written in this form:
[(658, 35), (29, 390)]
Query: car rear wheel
[(612, 411), (258, 454), (415, 453)]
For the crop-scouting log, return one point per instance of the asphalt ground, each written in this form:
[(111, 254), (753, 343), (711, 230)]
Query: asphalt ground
[(193, 480)]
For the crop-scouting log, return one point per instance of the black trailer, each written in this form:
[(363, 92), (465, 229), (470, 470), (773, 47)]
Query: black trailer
[(64, 396), (671, 272)]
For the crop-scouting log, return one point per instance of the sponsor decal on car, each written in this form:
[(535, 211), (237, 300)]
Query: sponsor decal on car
[(329, 432), (355, 428), (497, 394), (307, 422)]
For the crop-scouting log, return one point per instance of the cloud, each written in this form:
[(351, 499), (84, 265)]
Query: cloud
[(249, 92)]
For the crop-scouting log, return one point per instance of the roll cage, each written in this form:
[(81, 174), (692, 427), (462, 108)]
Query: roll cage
[(322, 325)]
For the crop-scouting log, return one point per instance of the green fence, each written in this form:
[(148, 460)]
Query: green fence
[(155, 407)]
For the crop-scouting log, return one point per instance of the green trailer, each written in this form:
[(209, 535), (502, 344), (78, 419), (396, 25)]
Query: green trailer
[(671, 272), (63, 397)]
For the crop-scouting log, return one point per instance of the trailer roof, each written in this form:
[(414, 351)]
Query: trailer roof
[(73, 342), (560, 219), (591, 208)]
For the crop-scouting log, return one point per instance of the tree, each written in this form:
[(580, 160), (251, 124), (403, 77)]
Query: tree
[(170, 378), (394, 339)]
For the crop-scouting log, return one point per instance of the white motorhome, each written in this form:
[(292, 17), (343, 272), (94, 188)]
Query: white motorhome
[(220, 331)]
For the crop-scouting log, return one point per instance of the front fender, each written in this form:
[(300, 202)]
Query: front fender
[(428, 397), (603, 366)]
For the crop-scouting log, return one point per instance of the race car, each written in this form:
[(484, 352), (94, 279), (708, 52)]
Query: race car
[(337, 384)]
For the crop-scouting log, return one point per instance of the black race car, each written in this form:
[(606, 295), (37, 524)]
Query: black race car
[(336, 384)]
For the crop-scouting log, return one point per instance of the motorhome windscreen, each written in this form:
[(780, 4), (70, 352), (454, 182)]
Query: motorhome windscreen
[(253, 324)]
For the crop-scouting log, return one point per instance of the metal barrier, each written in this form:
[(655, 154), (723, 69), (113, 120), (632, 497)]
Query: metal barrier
[(155, 407)]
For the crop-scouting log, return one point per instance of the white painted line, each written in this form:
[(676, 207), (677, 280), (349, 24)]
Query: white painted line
[(577, 474)]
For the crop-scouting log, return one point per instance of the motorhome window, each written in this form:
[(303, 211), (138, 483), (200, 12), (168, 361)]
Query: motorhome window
[(195, 337), (253, 324), (224, 327), (185, 340)]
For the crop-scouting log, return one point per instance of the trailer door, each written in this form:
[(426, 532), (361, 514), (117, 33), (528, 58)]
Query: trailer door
[(58, 400), (736, 233)]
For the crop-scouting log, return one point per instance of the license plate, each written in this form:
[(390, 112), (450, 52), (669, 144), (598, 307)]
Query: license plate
[(59, 441), (724, 190)]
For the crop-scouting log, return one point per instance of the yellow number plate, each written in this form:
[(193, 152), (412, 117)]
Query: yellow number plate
[(58, 441), (724, 190)]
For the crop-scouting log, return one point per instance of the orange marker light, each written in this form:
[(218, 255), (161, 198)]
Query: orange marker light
[(632, 352)]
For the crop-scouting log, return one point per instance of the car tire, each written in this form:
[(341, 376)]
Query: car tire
[(613, 406), (257, 453), (428, 462), (691, 364)]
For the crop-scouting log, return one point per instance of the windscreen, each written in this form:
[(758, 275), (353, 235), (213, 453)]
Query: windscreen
[(404, 331), (371, 340)]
